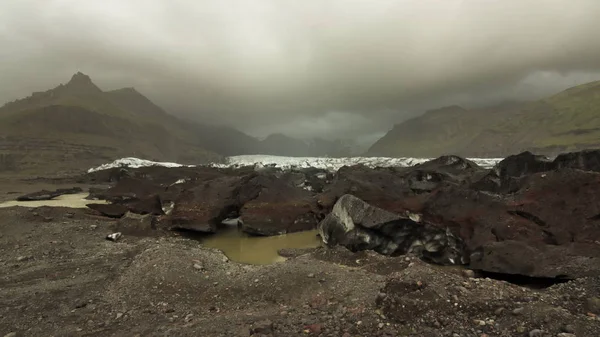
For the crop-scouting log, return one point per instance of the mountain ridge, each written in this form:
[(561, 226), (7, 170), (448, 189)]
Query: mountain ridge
[(566, 121)]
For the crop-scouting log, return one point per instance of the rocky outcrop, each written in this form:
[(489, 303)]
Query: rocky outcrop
[(507, 176), (441, 210), (360, 226)]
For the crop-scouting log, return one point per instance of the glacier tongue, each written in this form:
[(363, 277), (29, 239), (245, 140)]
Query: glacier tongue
[(330, 164)]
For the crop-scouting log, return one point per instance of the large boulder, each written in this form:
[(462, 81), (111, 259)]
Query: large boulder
[(203, 207), (587, 160), (564, 205), (507, 175), (281, 206), (359, 226), (544, 261), (385, 188), (109, 210)]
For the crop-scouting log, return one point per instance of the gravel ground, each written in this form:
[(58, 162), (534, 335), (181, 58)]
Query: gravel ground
[(59, 276)]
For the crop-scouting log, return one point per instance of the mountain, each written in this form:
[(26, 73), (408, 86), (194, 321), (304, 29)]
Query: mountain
[(567, 121), (77, 125)]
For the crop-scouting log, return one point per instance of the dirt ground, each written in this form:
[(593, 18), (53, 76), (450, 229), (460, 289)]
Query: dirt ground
[(59, 276)]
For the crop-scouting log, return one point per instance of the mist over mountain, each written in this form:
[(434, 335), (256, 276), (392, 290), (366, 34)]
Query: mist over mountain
[(77, 125), (566, 121), (331, 69)]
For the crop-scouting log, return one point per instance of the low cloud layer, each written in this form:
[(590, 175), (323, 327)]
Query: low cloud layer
[(331, 68)]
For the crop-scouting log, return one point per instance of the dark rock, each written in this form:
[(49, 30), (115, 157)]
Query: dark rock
[(48, 195), (109, 210), (203, 207), (97, 194), (563, 204), (132, 189), (587, 160), (360, 226), (278, 208), (151, 204), (132, 224), (520, 258), (384, 188), (506, 176)]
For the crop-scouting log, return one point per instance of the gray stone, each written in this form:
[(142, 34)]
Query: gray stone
[(518, 311), (536, 333), (568, 328), (358, 226), (593, 305)]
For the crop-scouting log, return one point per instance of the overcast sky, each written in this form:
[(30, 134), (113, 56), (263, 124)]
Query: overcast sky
[(331, 68)]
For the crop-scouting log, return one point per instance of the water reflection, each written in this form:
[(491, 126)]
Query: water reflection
[(67, 200), (240, 247)]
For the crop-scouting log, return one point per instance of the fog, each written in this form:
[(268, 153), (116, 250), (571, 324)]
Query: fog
[(328, 68)]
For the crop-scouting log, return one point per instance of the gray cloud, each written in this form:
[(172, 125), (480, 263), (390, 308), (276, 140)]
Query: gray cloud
[(328, 68)]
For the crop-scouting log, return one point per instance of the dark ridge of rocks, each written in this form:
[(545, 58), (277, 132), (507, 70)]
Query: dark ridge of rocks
[(508, 175), (548, 207), (48, 195)]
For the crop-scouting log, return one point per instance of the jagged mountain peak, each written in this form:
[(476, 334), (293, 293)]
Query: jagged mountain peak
[(80, 81)]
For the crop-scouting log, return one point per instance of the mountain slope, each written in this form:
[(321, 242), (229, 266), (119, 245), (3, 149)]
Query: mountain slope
[(567, 121), (77, 125)]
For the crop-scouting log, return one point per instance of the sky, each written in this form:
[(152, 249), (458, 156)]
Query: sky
[(327, 68)]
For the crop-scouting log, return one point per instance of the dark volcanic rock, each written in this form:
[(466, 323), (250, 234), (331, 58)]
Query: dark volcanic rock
[(97, 194), (458, 168), (360, 226), (383, 187), (129, 189), (204, 206), (279, 207), (148, 205), (109, 210), (588, 160), (563, 204), (507, 175), (132, 224), (519, 258), (48, 195)]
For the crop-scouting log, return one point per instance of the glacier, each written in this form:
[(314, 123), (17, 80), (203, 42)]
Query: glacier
[(285, 163)]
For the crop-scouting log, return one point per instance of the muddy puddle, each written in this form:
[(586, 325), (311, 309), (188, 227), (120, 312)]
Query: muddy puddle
[(68, 200), (240, 247)]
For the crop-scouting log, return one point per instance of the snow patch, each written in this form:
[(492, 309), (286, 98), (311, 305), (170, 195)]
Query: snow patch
[(134, 163), (264, 161), (332, 164)]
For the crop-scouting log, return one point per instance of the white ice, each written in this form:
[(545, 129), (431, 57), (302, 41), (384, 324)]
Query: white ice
[(258, 161)]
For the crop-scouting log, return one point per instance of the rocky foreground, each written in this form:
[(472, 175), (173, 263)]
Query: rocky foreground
[(445, 248)]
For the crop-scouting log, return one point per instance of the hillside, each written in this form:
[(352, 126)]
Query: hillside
[(567, 121), (76, 125)]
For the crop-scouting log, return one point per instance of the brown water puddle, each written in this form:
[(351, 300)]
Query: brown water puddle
[(240, 247), (68, 200)]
